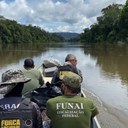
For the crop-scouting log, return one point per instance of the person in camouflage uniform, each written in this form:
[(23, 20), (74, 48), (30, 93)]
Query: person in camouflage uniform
[(70, 110), (16, 111)]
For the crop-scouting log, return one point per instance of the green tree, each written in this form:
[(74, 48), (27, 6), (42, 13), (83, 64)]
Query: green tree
[(107, 26), (123, 23), (12, 32)]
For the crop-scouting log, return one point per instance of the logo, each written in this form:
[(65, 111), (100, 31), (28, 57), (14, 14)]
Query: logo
[(11, 123), (65, 110)]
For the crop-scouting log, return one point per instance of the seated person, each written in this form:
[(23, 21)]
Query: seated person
[(35, 75), (69, 66), (70, 110), (15, 111)]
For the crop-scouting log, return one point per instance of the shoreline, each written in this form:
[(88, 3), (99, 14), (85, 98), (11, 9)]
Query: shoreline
[(108, 117)]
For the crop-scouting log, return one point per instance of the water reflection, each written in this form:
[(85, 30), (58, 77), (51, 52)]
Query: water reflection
[(104, 68), (12, 54), (112, 59), (108, 79)]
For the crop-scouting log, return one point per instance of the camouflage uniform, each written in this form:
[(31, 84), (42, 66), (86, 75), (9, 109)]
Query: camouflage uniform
[(13, 105)]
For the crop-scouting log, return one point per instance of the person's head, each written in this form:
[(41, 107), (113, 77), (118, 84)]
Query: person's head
[(12, 82), (28, 63), (72, 59), (71, 82)]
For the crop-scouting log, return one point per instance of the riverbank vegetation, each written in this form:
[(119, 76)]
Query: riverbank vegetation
[(111, 26), (15, 33)]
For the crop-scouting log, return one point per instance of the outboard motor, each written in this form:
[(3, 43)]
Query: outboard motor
[(49, 66)]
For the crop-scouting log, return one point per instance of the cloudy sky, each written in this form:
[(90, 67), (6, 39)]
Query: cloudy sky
[(55, 15)]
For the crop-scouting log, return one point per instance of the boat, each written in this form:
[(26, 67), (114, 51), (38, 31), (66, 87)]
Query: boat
[(47, 69)]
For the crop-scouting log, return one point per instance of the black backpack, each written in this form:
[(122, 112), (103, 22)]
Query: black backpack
[(42, 94)]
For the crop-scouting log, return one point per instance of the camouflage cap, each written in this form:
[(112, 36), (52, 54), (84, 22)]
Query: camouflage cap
[(72, 80), (13, 76)]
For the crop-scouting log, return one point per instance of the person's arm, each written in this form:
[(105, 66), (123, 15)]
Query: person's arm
[(80, 74), (49, 110), (37, 118), (41, 80), (55, 77), (94, 110)]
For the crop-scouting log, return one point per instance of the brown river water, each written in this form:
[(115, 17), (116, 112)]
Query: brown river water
[(104, 68)]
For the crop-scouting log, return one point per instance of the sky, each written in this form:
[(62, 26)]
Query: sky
[(55, 15)]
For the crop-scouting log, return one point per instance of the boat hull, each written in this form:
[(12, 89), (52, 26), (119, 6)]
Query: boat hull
[(94, 121)]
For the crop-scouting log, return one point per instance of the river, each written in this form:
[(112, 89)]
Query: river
[(104, 68)]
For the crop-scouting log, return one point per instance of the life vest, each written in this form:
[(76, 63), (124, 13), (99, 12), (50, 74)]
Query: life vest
[(21, 117), (62, 70), (65, 69)]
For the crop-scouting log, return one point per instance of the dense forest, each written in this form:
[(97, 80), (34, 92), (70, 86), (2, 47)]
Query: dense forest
[(111, 26), (12, 32)]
